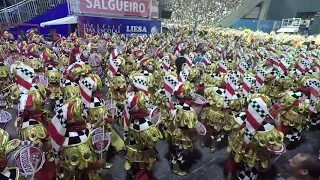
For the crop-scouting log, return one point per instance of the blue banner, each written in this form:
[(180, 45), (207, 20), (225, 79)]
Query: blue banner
[(98, 25)]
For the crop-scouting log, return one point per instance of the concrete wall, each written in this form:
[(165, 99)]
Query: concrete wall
[(282, 9)]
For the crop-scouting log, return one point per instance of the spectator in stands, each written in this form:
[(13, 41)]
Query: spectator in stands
[(22, 36), (305, 167)]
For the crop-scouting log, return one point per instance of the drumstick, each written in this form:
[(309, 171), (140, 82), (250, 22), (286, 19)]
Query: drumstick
[(34, 172), (101, 153), (7, 87)]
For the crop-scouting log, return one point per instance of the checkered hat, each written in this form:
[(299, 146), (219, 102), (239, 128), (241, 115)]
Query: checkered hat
[(256, 113), (314, 89), (87, 87), (141, 83), (284, 65), (9, 174), (171, 85), (114, 66), (95, 102), (231, 87), (189, 59), (51, 68), (248, 82), (24, 77), (58, 128), (206, 59), (183, 77)]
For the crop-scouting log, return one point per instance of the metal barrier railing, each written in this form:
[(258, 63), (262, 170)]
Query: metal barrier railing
[(26, 10)]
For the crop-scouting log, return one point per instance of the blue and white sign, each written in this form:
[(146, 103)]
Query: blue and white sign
[(98, 25)]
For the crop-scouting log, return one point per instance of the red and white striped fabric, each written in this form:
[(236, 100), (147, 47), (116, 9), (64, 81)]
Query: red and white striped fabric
[(314, 89), (256, 113), (284, 65), (260, 75), (58, 128), (222, 68), (248, 82), (231, 86), (219, 50), (303, 55), (178, 49), (183, 77), (141, 83), (114, 54), (166, 63), (206, 59), (274, 61), (171, 84), (189, 59), (243, 67), (87, 86), (272, 49), (303, 65), (137, 53), (130, 102), (24, 78), (114, 66), (25, 103)]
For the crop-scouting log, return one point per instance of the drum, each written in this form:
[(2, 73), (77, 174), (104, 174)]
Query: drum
[(28, 160), (100, 142), (5, 116), (155, 114), (199, 101)]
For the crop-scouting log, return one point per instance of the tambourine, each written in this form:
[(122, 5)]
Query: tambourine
[(95, 60), (41, 79), (275, 153), (5, 116), (201, 129), (112, 109), (28, 160), (100, 142), (199, 101), (155, 114)]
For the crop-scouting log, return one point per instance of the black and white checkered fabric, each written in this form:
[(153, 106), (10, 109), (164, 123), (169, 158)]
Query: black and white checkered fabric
[(219, 91), (141, 124), (9, 174), (28, 122), (240, 118), (248, 173), (315, 120), (59, 115), (296, 95), (73, 138), (293, 135), (255, 105), (95, 102), (178, 156)]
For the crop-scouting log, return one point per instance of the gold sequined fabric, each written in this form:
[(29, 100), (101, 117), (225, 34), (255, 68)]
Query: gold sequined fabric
[(78, 156), (147, 138), (184, 137), (136, 154), (256, 151), (35, 133)]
